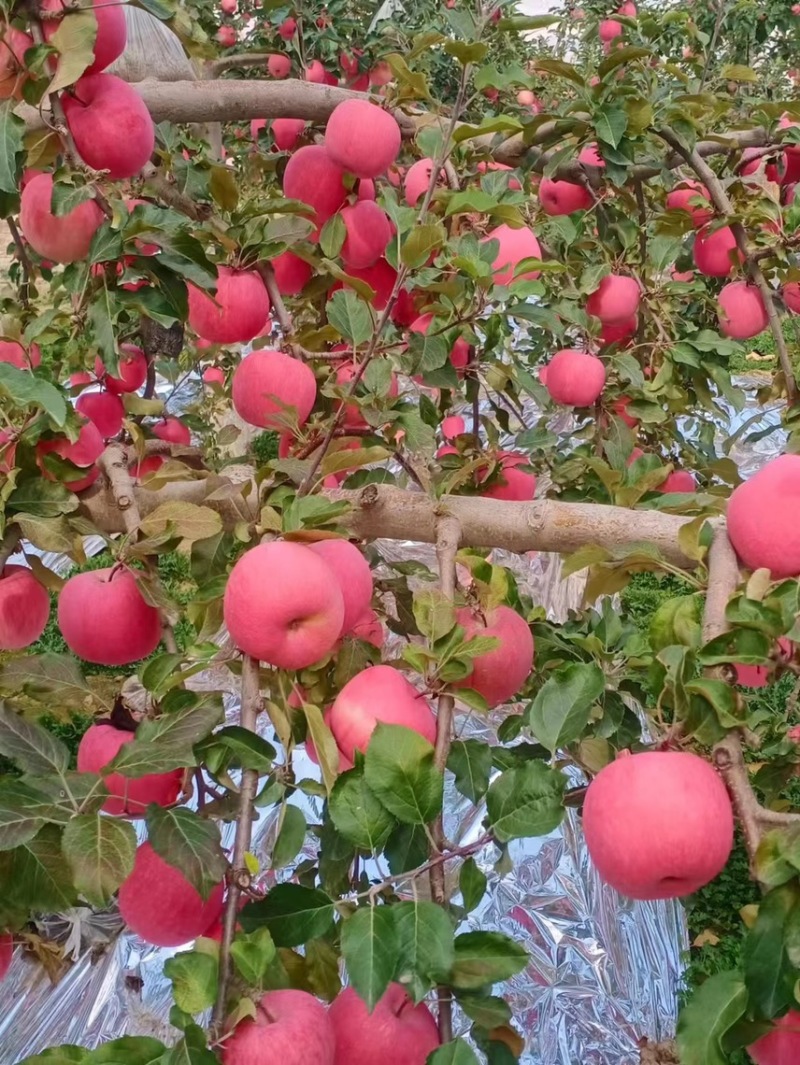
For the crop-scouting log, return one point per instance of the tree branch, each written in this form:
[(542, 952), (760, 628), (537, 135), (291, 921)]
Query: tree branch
[(236, 62), (720, 199), (239, 877), (24, 261), (114, 464)]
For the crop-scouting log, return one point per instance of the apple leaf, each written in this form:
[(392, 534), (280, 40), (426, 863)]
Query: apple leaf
[(235, 746), (191, 1050), (63, 1055), (526, 802), (26, 390), (349, 316), (358, 814), (324, 744), (406, 848), (37, 875), (74, 39), (290, 837), (770, 950), (30, 747), (252, 955), (471, 884), (371, 951), (425, 936), (560, 711), (713, 1010), (293, 914), (400, 771), (12, 129), (166, 742), (24, 811), (189, 843), (470, 761), (194, 980), (130, 1049), (100, 851), (459, 1052), (485, 958)]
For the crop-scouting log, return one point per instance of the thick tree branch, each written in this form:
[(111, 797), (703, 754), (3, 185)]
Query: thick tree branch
[(720, 199), (114, 464), (239, 876)]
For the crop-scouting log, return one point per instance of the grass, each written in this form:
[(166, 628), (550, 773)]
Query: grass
[(760, 352)]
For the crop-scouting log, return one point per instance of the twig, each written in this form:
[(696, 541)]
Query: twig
[(641, 203), (24, 261), (267, 274), (723, 204), (412, 473), (239, 877), (8, 545), (437, 860), (236, 62), (718, 23), (448, 537)]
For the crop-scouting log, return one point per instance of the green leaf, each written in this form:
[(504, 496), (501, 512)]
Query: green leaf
[(190, 521), (471, 884), (42, 498), (434, 613), (106, 246), (421, 243), (26, 390), (713, 1010), (349, 316), (292, 913), (459, 1052), (191, 1050), (526, 802), (194, 977), (400, 771), (30, 747), (12, 129), (406, 848), (63, 1055), (102, 325), (487, 1011), (253, 955), (324, 744), (224, 188), (23, 812), (190, 843), (332, 236), (485, 958), (37, 875), (358, 814), (769, 973), (100, 851), (74, 39), (470, 761), (290, 838), (371, 951), (425, 937), (44, 676), (610, 125), (235, 746), (167, 742), (560, 712)]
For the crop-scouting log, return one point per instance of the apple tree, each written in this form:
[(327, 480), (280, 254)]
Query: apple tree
[(425, 277)]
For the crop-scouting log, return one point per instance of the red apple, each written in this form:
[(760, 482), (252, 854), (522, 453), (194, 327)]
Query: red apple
[(377, 694), (575, 378), (453, 426), (315, 73), (104, 409), (353, 575), (283, 605), (362, 138), (214, 377), (286, 132), (269, 385), (679, 481), (563, 197), (110, 125), (781, 1046), (713, 251), (13, 353), (616, 300), (287, 29), (238, 311), (13, 73), (742, 313), (128, 796), (6, 953), (83, 452), (279, 65), (172, 430), (762, 515), (396, 1032), (368, 231), (609, 29), (683, 198), (313, 177), (63, 238), (417, 179), (160, 905), (658, 825), (369, 628), (292, 273), (759, 676), (515, 246), (499, 674), (226, 35), (290, 1027), (791, 296), (132, 370), (513, 484), (104, 618), (24, 608)]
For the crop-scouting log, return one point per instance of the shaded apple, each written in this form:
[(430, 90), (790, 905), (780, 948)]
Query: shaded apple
[(563, 197), (24, 608), (269, 386), (128, 796), (353, 575), (396, 1032), (173, 431), (235, 313), (63, 238), (380, 693), (515, 246), (289, 1028), (498, 674)]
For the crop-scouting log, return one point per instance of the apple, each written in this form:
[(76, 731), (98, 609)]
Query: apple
[(312, 176), (353, 575), (6, 953), (104, 409), (128, 796), (762, 521), (658, 825), (575, 378), (742, 313), (279, 65), (513, 485), (620, 409), (132, 370), (452, 426), (781, 1046), (13, 74), (214, 377), (381, 74), (369, 628), (290, 1027), (417, 179), (292, 273), (83, 452), (753, 161), (563, 197), (269, 385), (617, 334), (681, 199), (160, 905), (377, 694), (104, 618), (287, 29), (366, 189), (148, 465), (791, 296), (173, 431), (368, 230), (514, 183), (238, 311), (228, 6), (615, 300), (110, 125), (759, 676), (609, 29), (63, 238), (679, 481), (13, 353), (24, 608), (286, 132), (226, 35), (627, 9), (112, 29), (362, 138), (499, 674), (712, 251), (515, 246), (315, 73), (590, 156), (396, 1032), (283, 605)]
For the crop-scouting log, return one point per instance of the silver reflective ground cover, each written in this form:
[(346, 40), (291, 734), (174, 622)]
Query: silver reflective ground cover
[(603, 971)]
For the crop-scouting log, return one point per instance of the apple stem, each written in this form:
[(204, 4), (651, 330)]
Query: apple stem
[(239, 876)]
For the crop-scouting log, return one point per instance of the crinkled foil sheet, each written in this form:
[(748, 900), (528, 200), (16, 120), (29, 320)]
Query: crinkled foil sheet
[(603, 971)]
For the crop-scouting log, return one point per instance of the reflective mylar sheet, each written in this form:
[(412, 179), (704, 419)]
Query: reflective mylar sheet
[(603, 972)]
